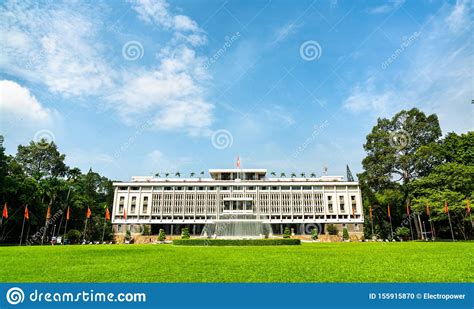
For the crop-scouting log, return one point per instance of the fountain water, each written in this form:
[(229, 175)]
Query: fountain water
[(237, 226)]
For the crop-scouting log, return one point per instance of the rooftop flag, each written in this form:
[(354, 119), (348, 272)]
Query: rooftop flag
[(238, 162)]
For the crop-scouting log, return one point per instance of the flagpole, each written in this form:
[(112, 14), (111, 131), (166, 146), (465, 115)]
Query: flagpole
[(409, 219), (85, 227), (450, 226), (65, 231), (22, 228), (103, 230)]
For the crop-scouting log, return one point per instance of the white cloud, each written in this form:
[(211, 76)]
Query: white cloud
[(59, 46), (172, 96), (17, 101), (388, 7), (433, 74), (54, 45), (157, 162)]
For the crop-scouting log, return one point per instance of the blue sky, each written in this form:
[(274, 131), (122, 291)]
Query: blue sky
[(138, 87)]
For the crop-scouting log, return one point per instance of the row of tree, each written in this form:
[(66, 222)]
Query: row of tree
[(38, 178), (410, 166)]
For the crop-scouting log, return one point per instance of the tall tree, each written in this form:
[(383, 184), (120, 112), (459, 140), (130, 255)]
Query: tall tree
[(41, 159)]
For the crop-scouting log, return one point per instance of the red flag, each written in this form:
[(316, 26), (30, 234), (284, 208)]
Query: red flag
[(107, 214), (388, 210), (27, 215), (428, 213), (370, 212), (48, 213), (468, 206), (238, 162), (408, 210), (5, 211), (68, 215), (354, 212), (446, 209), (88, 215)]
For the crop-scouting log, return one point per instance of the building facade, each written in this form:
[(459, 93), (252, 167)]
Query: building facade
[(299, 203)]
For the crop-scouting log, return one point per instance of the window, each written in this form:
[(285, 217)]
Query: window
[(341, 202), (121, 203), (264, 188), (135, 188), (296, 188), (178, 188), (306, 188), (145, 204), (201, 188), (190, 188), (238, 188), (123, 188), (330, 204), (168, 188), (157, 188), (274, 188), (251, 188), (212, 188), (225, 188), (133, 204), (285, 188)]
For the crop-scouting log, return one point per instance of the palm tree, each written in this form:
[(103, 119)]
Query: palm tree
[(273, 174), (157, 175), (192, 174), (293, 175), (313, 175), (303, 175), (282, 174), (167, 174), (202, 173), (177, 174)]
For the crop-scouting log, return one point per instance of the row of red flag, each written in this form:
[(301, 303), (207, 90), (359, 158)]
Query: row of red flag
[(107, 213), (48, 213), (428, 212)]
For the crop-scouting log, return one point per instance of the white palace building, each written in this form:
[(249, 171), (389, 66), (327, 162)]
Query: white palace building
[(246, 195)]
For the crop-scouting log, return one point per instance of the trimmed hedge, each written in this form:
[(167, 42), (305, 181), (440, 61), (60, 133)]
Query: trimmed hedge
[(236, 242)]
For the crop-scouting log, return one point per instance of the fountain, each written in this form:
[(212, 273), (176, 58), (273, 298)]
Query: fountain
[(237, 226)]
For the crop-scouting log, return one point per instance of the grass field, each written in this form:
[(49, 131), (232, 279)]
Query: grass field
[(318, 262)]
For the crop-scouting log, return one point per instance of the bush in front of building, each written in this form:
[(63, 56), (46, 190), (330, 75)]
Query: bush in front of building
[(185, 233), (73, 236), (332, 229), (236, 242), (403, 232), (146, 230), (287, 233), (161, 235), (345, 234), (314, 234)]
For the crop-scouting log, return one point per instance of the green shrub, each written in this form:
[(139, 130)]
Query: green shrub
[(314, 234), (332, 229), (287, 233), (345, 234), (74, 236), (403, 232), (161, 235), (128, 236), (146, 230), (185, 233), (236, 242)]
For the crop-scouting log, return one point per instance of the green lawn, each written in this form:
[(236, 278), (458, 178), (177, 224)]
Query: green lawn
[(318, 262)]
